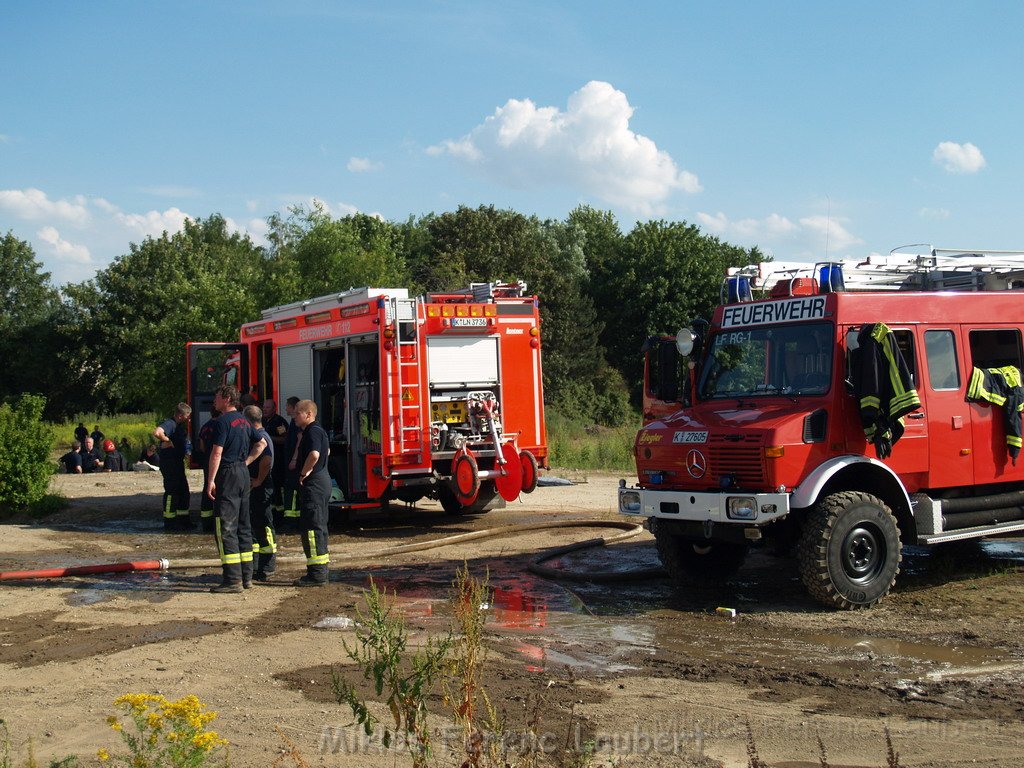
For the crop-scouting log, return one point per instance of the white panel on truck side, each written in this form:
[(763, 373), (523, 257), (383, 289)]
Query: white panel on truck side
[(456, 361), (295, 373)]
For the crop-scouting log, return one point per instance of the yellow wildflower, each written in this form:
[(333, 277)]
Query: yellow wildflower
[(114, 723), (102, 754), (154, 720)]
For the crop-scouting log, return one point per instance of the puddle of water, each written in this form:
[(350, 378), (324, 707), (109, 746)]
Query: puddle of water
[(620, 625), (117, 526), (152, 587), (1004, 549)]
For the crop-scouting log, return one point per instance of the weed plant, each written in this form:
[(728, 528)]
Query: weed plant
[(403, 678)]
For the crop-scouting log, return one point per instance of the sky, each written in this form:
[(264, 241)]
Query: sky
[(812, 130)]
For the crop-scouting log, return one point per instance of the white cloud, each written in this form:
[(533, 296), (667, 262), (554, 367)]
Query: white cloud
[(152, 223), (363, 165), (934, 213), (4, 138), (831, 231), (772, 226), (778, 232), (33, 205), (62, 249), (589, 145), (959, 158)]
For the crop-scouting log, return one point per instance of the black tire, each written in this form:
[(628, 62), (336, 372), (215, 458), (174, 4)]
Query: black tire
[(690, 560), (449, 501), (849, 551)]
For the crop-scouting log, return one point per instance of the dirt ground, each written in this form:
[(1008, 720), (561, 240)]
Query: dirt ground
[(644, 670)]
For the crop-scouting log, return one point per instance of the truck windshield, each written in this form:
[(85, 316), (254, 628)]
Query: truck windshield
[(792, 359)]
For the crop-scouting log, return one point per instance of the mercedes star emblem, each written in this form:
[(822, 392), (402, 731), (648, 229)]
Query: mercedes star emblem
[(696, 464)]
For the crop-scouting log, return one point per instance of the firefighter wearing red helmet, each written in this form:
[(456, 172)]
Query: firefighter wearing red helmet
[(113, 461)]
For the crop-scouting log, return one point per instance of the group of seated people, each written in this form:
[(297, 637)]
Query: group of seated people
[(95, 453)]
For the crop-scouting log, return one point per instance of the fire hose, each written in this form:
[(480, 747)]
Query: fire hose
[(629, 530)]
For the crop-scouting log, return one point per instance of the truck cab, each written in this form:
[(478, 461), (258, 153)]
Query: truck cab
[(768, 438)]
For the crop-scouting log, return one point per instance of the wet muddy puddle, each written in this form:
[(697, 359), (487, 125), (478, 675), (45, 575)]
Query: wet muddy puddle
[(607, 629)]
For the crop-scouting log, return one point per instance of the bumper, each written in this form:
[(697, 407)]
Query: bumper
[(745, 509)]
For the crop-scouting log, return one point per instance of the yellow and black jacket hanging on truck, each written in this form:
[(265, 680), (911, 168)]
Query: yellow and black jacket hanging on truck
[(1002, 387), (883, 386)]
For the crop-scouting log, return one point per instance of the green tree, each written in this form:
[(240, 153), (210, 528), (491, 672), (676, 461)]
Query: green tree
[(485, 244), (665, 275), (313, 254), (26, 323), (133, 319)]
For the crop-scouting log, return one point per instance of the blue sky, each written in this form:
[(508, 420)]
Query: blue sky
[(779, 124)]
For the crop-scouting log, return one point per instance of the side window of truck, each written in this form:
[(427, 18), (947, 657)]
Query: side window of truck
[(995, 348), (943, 368), (905, 342)]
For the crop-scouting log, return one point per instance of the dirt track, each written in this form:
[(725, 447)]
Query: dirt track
[(646, 664)]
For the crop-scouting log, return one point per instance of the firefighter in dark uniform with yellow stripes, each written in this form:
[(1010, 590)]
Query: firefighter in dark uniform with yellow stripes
[(234, 446), (314, 493), (261, 492), (201, 453), (172, 435), (290, 495)]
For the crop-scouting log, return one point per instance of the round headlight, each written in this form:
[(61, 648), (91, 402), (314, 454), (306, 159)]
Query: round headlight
[(684, 341)]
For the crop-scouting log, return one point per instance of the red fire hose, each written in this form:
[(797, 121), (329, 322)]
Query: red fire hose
[(85, 570)]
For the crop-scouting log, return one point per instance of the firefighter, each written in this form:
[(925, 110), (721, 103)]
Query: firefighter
[(291, 476), (234, 445), (91, 461), (261, 508), (277, 428), (201, 453), (113, 461), (314, 493), (172, 436), (72, 460)]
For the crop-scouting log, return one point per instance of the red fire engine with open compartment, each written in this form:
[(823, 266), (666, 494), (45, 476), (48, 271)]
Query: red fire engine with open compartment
[(439, 396), (753, 427)]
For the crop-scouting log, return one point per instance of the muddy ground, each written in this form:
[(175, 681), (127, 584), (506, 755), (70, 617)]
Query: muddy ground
[(643, 669)]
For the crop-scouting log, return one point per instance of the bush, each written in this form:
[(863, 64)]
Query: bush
[(25, 464)]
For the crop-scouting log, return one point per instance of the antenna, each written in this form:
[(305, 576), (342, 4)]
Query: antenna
[(828, 224)]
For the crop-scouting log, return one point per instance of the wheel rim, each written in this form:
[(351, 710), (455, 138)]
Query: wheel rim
[(863, 554)]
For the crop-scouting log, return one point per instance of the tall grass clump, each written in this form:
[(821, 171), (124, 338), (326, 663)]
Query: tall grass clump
[(575, 443)]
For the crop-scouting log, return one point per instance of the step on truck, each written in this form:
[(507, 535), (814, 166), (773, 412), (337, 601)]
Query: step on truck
[(438, 396), (843, 410)]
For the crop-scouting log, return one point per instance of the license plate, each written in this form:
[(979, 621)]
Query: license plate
[(690, 437), (468, 322)]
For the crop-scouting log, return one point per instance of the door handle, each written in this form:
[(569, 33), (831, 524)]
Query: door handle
[(917, 415)]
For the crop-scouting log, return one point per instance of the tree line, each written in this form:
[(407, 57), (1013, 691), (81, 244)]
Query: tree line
[(115, 343)]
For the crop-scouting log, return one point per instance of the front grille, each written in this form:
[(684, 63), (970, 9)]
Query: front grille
[(743, 459)]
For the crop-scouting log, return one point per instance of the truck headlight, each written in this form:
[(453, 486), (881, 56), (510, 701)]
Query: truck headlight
[(629, 503), (741, 508)]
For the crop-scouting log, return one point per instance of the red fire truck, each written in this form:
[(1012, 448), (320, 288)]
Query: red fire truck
[(438, 396), (754, 428)]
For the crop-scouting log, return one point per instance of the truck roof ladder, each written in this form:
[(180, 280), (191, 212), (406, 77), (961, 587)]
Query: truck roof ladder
[(907, 268)]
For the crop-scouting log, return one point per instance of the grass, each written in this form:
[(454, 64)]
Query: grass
[(137, 427), (575, 444)]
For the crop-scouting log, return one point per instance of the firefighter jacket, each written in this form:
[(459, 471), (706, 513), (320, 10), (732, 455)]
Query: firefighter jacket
[(1002, 387), (883, 386)]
